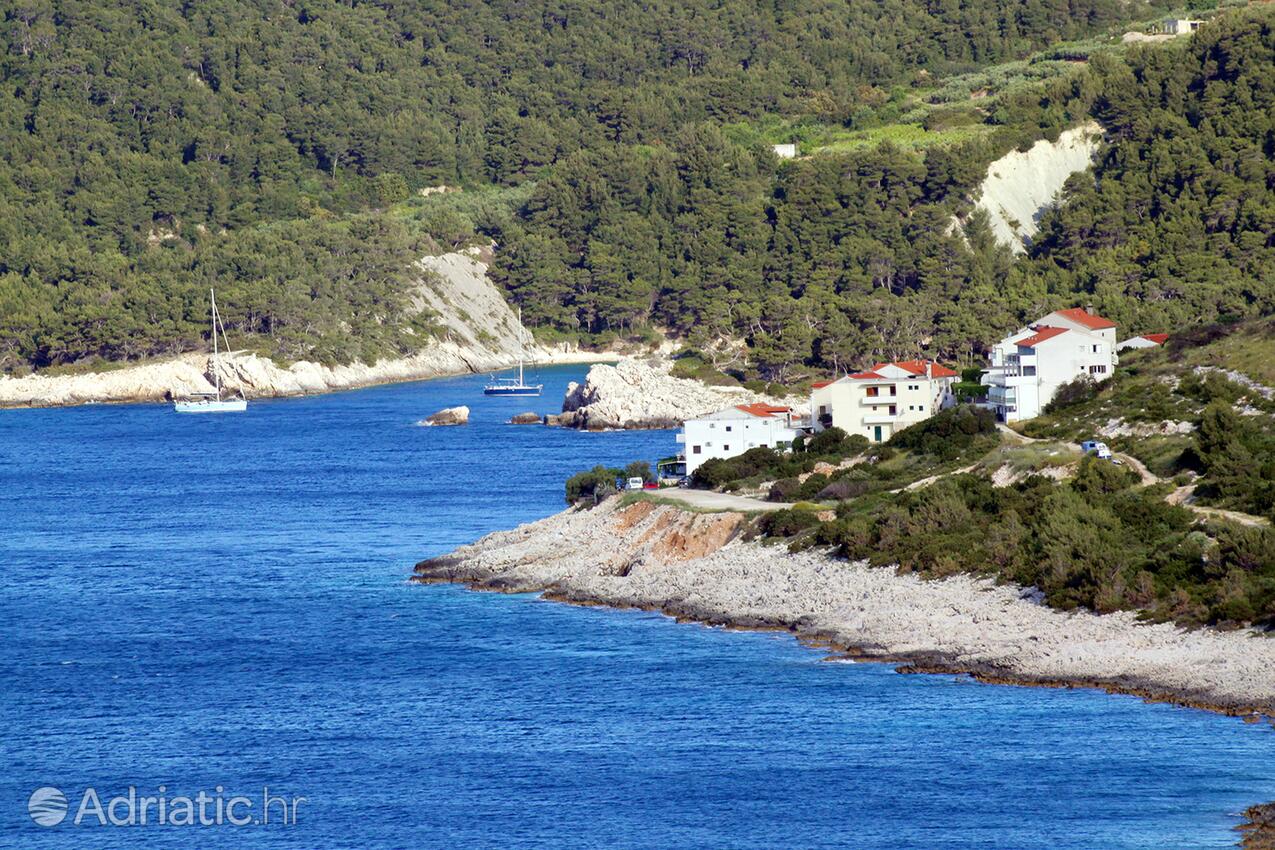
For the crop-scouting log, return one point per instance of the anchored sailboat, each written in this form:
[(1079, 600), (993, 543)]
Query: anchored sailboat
[(213, 402), (514, 386)]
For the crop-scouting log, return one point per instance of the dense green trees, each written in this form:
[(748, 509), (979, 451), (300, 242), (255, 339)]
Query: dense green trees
[(1177, 223), (141, 141), (842, 259), (149, 150)]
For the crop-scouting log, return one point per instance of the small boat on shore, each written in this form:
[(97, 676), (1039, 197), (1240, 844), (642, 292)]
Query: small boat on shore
[(514, 386), (213, 402)]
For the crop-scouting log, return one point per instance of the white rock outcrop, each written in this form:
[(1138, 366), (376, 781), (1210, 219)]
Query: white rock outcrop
[(480, 333), (638, 394), (1019, 186), (448, 416)]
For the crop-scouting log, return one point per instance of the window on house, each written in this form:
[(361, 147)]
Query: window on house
[(1029, 371), (1097, 370), (1095, 349), (695, 450), (727, 427), (892, 410), (725, 448), (894, 390), (873, 392)]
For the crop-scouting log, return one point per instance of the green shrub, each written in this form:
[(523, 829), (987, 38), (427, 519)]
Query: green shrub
[(828, 441), (718, 472), (788, 522), (968, 391), (639, 469), (784, 490), (592, 484), (1072, 393), (948, 434)]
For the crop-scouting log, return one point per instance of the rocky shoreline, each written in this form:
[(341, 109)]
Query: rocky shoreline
[(253, 376), (696, 567)]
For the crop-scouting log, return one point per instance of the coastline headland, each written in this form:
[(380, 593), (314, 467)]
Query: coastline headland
[(477, 332), (698, 567)]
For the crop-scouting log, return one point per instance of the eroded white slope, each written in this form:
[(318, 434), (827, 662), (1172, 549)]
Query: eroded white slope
[(1020, 186)]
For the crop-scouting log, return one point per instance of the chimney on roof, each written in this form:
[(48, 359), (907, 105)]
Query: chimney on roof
[(1089, 309), (929, 369)]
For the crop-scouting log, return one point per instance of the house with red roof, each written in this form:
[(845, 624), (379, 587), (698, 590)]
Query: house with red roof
[(1029, 365), (880, 401), (735, 430), (1144, 341)]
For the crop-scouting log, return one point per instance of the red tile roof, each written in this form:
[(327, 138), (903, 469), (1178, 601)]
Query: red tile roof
[(818, 385), (1081, 316), (1043, 333), (912, 367), (763, 410), (917, 367), (1158, 339)]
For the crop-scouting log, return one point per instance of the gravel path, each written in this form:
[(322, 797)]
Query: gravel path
[(713, 501)]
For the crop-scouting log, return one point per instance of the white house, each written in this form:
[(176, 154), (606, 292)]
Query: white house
[(1180, 26), (1030, 365), (886, 398), (1144, 341), (735, 430), (788, 151)]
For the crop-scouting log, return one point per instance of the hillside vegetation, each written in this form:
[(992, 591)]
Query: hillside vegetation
[(151, 149), (616, 154), (846, 257)]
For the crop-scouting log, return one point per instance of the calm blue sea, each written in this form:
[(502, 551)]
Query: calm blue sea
[(199, 602)]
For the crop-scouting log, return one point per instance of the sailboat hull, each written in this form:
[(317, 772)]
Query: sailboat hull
[(230, 405), (517, 391)]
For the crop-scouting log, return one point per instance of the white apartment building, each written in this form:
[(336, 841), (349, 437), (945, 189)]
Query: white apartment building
[(883, 400), (1030, 365), (735, 430)]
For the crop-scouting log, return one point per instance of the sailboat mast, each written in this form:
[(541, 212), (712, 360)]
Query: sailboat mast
[(212, 297), (522, 346)]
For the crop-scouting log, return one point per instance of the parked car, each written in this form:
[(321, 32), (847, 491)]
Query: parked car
[(1095, 447), (651, 485), (635, 483)]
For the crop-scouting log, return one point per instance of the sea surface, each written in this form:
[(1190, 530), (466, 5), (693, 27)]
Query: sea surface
[(200, 603)]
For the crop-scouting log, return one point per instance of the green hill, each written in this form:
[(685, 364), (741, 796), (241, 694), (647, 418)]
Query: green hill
[(617, 154)]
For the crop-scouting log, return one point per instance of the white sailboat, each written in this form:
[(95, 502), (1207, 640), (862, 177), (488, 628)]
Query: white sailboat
[(213, 402), (514, 386)]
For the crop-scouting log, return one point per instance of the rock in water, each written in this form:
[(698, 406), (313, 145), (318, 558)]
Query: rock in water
[(448, 416), (528, 418)]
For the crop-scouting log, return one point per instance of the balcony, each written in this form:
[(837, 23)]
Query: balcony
[(879, 419), (1002, 395)]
